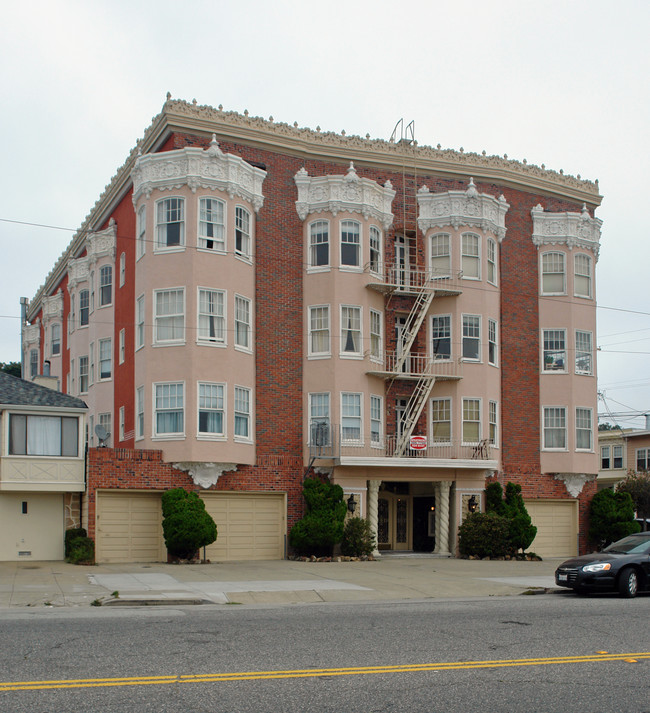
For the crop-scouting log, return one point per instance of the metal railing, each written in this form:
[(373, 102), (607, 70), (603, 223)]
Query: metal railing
[(411, 279), (420, 365)]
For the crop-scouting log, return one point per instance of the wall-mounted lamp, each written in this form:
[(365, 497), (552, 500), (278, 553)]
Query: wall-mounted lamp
[(352, 504), (472, 504)]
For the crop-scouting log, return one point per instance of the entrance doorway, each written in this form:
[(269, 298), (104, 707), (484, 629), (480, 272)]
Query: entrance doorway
[(394, 521)]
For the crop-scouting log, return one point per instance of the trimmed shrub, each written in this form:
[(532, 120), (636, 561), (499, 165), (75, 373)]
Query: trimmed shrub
[(322, 526), (522, 530), (358, 539), (186, 525), (80, 550), (611, 517), (72, 534), (494, 499), (484, 534)]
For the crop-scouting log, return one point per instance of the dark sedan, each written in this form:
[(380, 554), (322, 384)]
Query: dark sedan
[(622, 566)]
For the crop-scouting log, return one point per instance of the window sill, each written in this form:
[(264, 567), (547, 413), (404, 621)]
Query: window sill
[(243, 350), (351, 268), (218, 437), (169, 437), (165, 251), (212, 251), (181, 343), (207, 343), (353, 356), (242, 440), (317, 269), (244, 258), (316, 357)]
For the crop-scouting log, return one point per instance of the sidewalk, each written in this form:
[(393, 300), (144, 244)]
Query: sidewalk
[(58, 584)]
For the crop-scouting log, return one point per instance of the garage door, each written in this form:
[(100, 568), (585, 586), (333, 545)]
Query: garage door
[(31, 526), (251, 526), (129, 527), (557, 527)]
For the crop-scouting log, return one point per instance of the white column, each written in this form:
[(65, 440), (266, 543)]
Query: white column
[(373, 519), (442, 518)]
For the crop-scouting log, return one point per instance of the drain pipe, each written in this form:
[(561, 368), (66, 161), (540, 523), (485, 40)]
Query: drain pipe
[(23, 320)]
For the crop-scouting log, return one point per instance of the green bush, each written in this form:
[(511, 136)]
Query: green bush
[(80, 550), (611, 517), (485, 535), (358, 539), (494, 499), (322, 526), (522, 530), (186, 524), (72, 534)]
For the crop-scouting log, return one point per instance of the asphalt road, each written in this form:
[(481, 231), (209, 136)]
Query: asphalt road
[(546, 653)]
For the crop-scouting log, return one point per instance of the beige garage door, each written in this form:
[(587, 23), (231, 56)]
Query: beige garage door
[(557, 527), (129, 527), (251, 526)]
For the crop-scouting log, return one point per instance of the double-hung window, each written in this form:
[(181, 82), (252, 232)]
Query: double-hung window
[(553, 273), (643, 459), (170, 223), (472, 337), (212, 230), (169, 409), (242, 322), (471, 256), (492, 343), (582, 275), (350, 243), (350, 330), (584, 431), (139, 322), (319, 419), (441, 336), (493, 423), (555, 428), (554, 350), (376, 428), (584, 352), (212, 318), (91, 352), (122, 269), (242, 412), (83, 375), (319, 330), (441, 421), (440, 256), (105, 359), (376, 319), (121, 346), (471, 420), (319, 244), (351, 422), (618, 456), (141, 240), (211, 409), (242, 232), (105, 286), (43, 435), (55, 345), (139, 413), (491, 261), (169, 320), (375, 249), (605, 462), (84, 308)]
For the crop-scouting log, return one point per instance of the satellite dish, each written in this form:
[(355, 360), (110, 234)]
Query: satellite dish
[(102, 434)]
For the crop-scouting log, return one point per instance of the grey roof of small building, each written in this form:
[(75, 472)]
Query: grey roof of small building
[(18, 392)]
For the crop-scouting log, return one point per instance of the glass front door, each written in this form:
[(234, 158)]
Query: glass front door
[(394, 527)]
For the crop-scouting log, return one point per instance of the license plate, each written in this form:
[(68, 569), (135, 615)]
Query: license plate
[(562, 577)]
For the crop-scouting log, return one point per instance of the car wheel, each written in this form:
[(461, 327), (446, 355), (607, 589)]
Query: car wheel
[(628, 583)]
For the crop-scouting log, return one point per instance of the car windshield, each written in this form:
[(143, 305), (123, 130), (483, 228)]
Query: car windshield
[(630, 545)]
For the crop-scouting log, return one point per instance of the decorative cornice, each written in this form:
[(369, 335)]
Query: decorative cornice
[(102, 243), (462, 208), (575, 482), (53, 307), (570, 229), (205, 474), (212, 169), (31, 334), (78, 271), (349, 192)]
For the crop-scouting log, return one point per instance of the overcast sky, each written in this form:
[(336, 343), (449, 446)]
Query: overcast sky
[(558, 82)]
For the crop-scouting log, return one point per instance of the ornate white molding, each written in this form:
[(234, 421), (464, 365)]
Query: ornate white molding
[(78, 271), (462, 208), (53, 307), (32, 334), (349, 192), (102, 243), (205, 474), (570, 229), (574, 482), (197, 168)]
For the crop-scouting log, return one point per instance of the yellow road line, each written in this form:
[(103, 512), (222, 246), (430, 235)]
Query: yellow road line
[(313, 672)]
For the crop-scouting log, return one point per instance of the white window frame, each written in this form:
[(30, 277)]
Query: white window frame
[(642, 458), (84, 308), (122, 269), (605, 459), (477, 411), (122, 346), (212, 402), (139, 323), (55, 339), (319, 329), (582, 276), (584, 352), (548, 260), (442, 407), (244, 415), (470, 256), (351, 411), (471, 337), (317, 230), (166, 209), (346, 313), (493, 342), (141, 240), (554, 420), (376, 336), (106, 285), (211, 315), (176, 404), (243, 330), (492, 273), (375, 241), (493, 423), (243, 233), (440, 255), (84, 380), (376, 421), (319, 413), (174, 321), (441, 332), (584, 421), (121, 423), (105, 356), (105, 420), (91, 369), (139, 413), (350, 241), (554, 351), (618, 457), (212, 225)]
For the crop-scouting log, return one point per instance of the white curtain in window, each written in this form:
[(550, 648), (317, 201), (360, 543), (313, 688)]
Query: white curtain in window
[(44, 436)]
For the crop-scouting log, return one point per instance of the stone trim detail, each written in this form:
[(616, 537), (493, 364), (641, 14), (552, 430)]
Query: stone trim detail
[(462, 209), (574, 482), (349, 192), (570, 229), (205, 475), (197, 168), (53, 307)]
